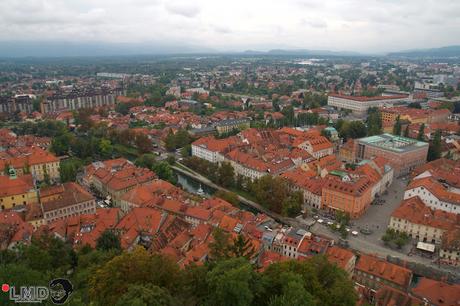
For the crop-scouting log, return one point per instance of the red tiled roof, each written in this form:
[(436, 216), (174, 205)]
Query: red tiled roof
[(451, 240), (196, 255), (119, 174), (269, 257), (320, 143), (17, 186), (436, 188), (339, 256), (388, 296), (198, 213), (228, 223), (34, 156), (356, 188), (415, 211), (217, 145), (384, 270), (72, 194), (139, 219), (13, 228), (441, 168), (437, 292)]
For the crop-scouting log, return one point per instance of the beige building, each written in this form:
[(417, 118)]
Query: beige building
[(38, 162), (227, 126), (360, 104), (420, 222)]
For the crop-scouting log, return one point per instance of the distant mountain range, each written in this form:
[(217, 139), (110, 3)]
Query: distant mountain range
[(19, 49), (443, 52), (300, 52)]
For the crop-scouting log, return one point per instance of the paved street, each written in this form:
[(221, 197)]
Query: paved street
[(376, 219), (364, 244)]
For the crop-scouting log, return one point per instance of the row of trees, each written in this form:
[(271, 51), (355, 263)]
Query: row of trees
[(177, 140), (222, 174), (161, 168), (374, 122), (272, 192), (435, 147), (358, 129), (101, 142), (394, 238), (351, 129)]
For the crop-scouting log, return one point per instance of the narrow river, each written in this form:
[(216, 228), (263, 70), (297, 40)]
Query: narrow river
[(191, 185)]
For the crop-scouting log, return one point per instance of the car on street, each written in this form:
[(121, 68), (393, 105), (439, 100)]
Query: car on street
[(343, 243), (366, 231), (354, 233)]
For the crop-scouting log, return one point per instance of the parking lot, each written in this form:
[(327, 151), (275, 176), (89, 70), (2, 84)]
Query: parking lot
[(377, 217)]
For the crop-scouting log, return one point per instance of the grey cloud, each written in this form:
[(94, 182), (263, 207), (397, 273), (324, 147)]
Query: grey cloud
[(222, 29), (351, 24), (314, 23), (309, 4), (183, 9)]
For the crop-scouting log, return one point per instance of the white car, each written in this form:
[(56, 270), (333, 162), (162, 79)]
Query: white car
[(354, 233), (320, 221), (330, 222)]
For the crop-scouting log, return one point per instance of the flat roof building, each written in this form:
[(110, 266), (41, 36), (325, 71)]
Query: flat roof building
[(404, 154), (360, 104)]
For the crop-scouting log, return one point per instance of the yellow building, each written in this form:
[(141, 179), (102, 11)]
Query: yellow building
[(16, 191)]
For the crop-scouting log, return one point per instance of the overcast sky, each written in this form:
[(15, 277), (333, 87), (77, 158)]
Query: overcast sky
[(237, 25)]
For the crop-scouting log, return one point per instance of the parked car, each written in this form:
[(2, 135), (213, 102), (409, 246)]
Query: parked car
[(343, 243)]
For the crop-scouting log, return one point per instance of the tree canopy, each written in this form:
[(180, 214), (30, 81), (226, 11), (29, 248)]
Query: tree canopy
[(138, 277)]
